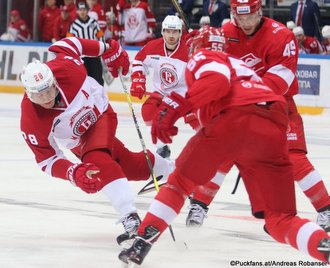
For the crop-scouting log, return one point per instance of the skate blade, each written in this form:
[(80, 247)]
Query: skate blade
[(126, 262), (129, 265), (127, 243)]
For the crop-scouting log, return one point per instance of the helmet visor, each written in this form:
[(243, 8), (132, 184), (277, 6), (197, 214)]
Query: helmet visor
[(44, 96)]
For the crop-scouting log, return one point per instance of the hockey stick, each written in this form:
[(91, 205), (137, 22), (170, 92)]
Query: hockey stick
[(144, 148), (318, 28), (180, 11), (236, 183), (147, 188)]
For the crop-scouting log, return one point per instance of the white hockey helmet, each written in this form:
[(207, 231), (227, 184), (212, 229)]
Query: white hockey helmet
[(298, 31), (39, 82), (172, 22), (326, 31), (291, 25), (205, 20)]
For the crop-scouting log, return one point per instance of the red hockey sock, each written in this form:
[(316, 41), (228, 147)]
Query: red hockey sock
[(167, 203), (206, 193), (299, 233), (165, 207), (309, 180), (318, 195)]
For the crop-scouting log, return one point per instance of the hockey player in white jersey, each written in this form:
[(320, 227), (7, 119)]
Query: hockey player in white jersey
[(168, 57), (63, 107)]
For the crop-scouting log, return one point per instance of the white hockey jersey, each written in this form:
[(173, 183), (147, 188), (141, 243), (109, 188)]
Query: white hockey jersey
[(137, 20), (82, 101), (168, 70)]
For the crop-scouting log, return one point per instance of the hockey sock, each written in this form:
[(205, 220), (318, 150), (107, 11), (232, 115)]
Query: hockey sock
[(121, 196), (314, 188), (168, 203), (299, 233)]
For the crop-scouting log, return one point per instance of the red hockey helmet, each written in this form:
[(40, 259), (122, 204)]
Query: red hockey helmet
[(242, 7), (210, 38), (15, 13)]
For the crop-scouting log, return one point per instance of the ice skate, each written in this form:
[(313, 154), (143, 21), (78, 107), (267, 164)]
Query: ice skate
[(140, 247), (197, 213), (131, 223), (323, 220), (150, 186), (324, 247), (164, 151)]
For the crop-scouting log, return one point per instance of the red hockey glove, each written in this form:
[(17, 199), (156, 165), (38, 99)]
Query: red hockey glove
[(83, 176), (189, 37), (170, 110), (138, 87), (192, 120), (115, 58)]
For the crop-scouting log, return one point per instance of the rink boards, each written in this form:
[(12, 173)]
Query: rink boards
[(312, 73)]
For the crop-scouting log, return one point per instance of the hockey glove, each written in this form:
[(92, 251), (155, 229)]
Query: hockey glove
[(116, 58), (84, 176), (192, 120), (170, 110), (138, 87), (189, 37)]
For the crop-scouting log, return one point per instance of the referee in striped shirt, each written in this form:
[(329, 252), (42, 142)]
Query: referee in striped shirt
[(88, 28)]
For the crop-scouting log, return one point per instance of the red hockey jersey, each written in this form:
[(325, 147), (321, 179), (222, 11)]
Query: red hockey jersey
[(97, 13), (310, 45), (272, 52), (217, 81)]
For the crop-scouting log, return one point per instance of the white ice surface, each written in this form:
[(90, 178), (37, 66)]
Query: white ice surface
[(47, 223)]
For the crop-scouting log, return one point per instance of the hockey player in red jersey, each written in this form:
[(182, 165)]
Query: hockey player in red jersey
[(228, 97), (168, 57), (271, 50), (65, 108), (97, 13), (307, 44)]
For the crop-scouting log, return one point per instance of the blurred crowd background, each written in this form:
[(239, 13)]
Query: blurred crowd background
[(135, 22)]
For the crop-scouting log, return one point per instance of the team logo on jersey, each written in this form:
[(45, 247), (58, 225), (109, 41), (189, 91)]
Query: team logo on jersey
[(168, 76), (81, 122), (132, 21), (253, 62), (247, 84)]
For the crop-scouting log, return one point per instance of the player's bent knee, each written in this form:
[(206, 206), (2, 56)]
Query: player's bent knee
[(181, 183), (301, 165), (110, 170)]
